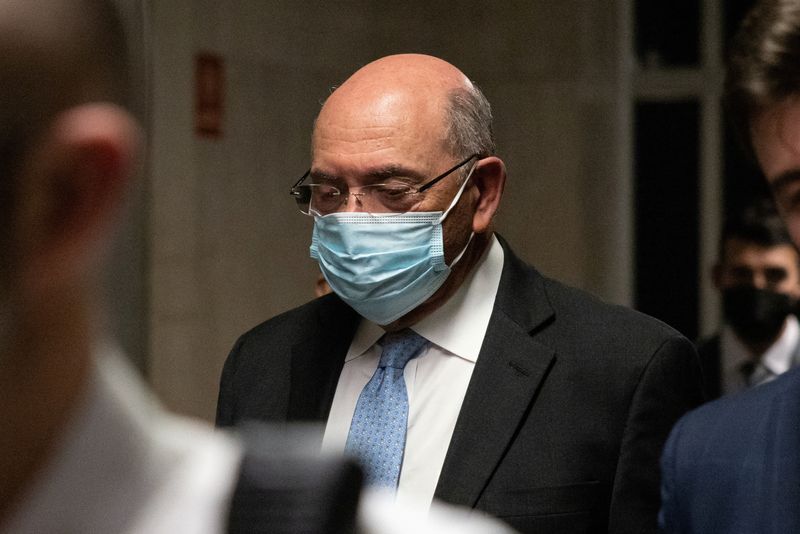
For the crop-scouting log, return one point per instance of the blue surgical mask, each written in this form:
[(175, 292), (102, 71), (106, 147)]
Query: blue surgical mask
[(383, 265)]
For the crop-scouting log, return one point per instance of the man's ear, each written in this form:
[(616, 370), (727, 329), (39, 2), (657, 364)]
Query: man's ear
[(73, 183), (490, 179)]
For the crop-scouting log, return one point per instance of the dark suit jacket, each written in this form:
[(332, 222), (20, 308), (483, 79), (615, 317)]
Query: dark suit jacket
[(564, 418), (733, 465)]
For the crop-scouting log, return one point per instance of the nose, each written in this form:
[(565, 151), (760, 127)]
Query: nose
[(353, 202), (759, 280)]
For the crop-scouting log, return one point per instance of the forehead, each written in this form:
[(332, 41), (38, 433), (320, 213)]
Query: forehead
[(742, 252), (376, 127)]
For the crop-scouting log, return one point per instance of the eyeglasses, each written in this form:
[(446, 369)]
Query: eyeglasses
[(386, 197)]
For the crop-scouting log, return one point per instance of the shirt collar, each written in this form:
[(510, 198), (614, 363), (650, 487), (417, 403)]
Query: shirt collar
[(460, 324), (367, 334), (777, 358)]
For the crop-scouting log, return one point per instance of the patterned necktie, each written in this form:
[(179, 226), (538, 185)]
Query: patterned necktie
[(378, 430)]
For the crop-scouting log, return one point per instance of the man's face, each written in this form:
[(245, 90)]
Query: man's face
[(776, 139), (371, 138), (770, 268), (760, 286)]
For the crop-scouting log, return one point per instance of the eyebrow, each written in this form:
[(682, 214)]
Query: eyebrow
[(392, 171), (375, 174), (785, 179), (319, 175)]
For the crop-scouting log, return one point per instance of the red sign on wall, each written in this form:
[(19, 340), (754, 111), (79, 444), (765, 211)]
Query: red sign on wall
[(209, 80)]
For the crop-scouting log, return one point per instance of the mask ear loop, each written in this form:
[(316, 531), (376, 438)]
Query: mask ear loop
[(458, 195), (463, 250), (452, 205)]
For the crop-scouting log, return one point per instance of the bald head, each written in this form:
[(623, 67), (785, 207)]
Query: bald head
[(421, 89), (426, 75)]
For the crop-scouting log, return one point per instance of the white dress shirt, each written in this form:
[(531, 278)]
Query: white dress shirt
[(126, 466), (777, 359), (436, 380)]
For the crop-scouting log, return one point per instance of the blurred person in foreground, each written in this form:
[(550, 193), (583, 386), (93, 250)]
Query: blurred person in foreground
[(758, 276), (83, 447), (449, 367), (733, 465)]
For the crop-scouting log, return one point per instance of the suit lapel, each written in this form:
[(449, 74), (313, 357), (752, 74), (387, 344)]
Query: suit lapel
[(317, 362), (510, 368)]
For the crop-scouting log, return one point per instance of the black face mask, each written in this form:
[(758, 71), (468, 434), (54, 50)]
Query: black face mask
[(756, 315)]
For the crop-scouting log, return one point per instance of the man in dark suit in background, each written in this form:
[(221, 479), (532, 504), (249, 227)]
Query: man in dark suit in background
[(483, 383), (758, 275), (733, 465)]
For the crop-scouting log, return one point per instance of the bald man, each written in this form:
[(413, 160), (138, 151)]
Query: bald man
[(452, 369), (83, 447)]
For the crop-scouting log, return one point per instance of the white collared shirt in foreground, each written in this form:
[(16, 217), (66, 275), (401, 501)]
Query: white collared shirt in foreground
[(127, 466), (436, 380)]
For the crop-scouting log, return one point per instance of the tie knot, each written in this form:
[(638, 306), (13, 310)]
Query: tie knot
[(399, 347)]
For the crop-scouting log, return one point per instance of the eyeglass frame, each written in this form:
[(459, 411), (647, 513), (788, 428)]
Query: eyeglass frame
[(421, 189)]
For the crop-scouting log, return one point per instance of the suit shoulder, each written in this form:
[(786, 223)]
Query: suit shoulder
[(575, 322), (730, 425), (742, 410), (593, 313), (303, 321)]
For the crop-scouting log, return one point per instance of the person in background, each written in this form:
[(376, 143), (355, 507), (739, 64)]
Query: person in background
[(448, 366), (733, 465), (758, 276)]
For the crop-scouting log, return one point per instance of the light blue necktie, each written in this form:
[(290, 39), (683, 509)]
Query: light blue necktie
[(378, 430)]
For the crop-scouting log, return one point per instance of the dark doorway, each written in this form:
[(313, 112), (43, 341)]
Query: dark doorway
[(667, 200)]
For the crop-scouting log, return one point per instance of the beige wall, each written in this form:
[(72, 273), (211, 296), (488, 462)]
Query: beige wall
[(125, 289), (226, 249)]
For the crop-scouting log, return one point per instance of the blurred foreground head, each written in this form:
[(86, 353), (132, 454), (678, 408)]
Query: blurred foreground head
[(66, 153), (66, 148)]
